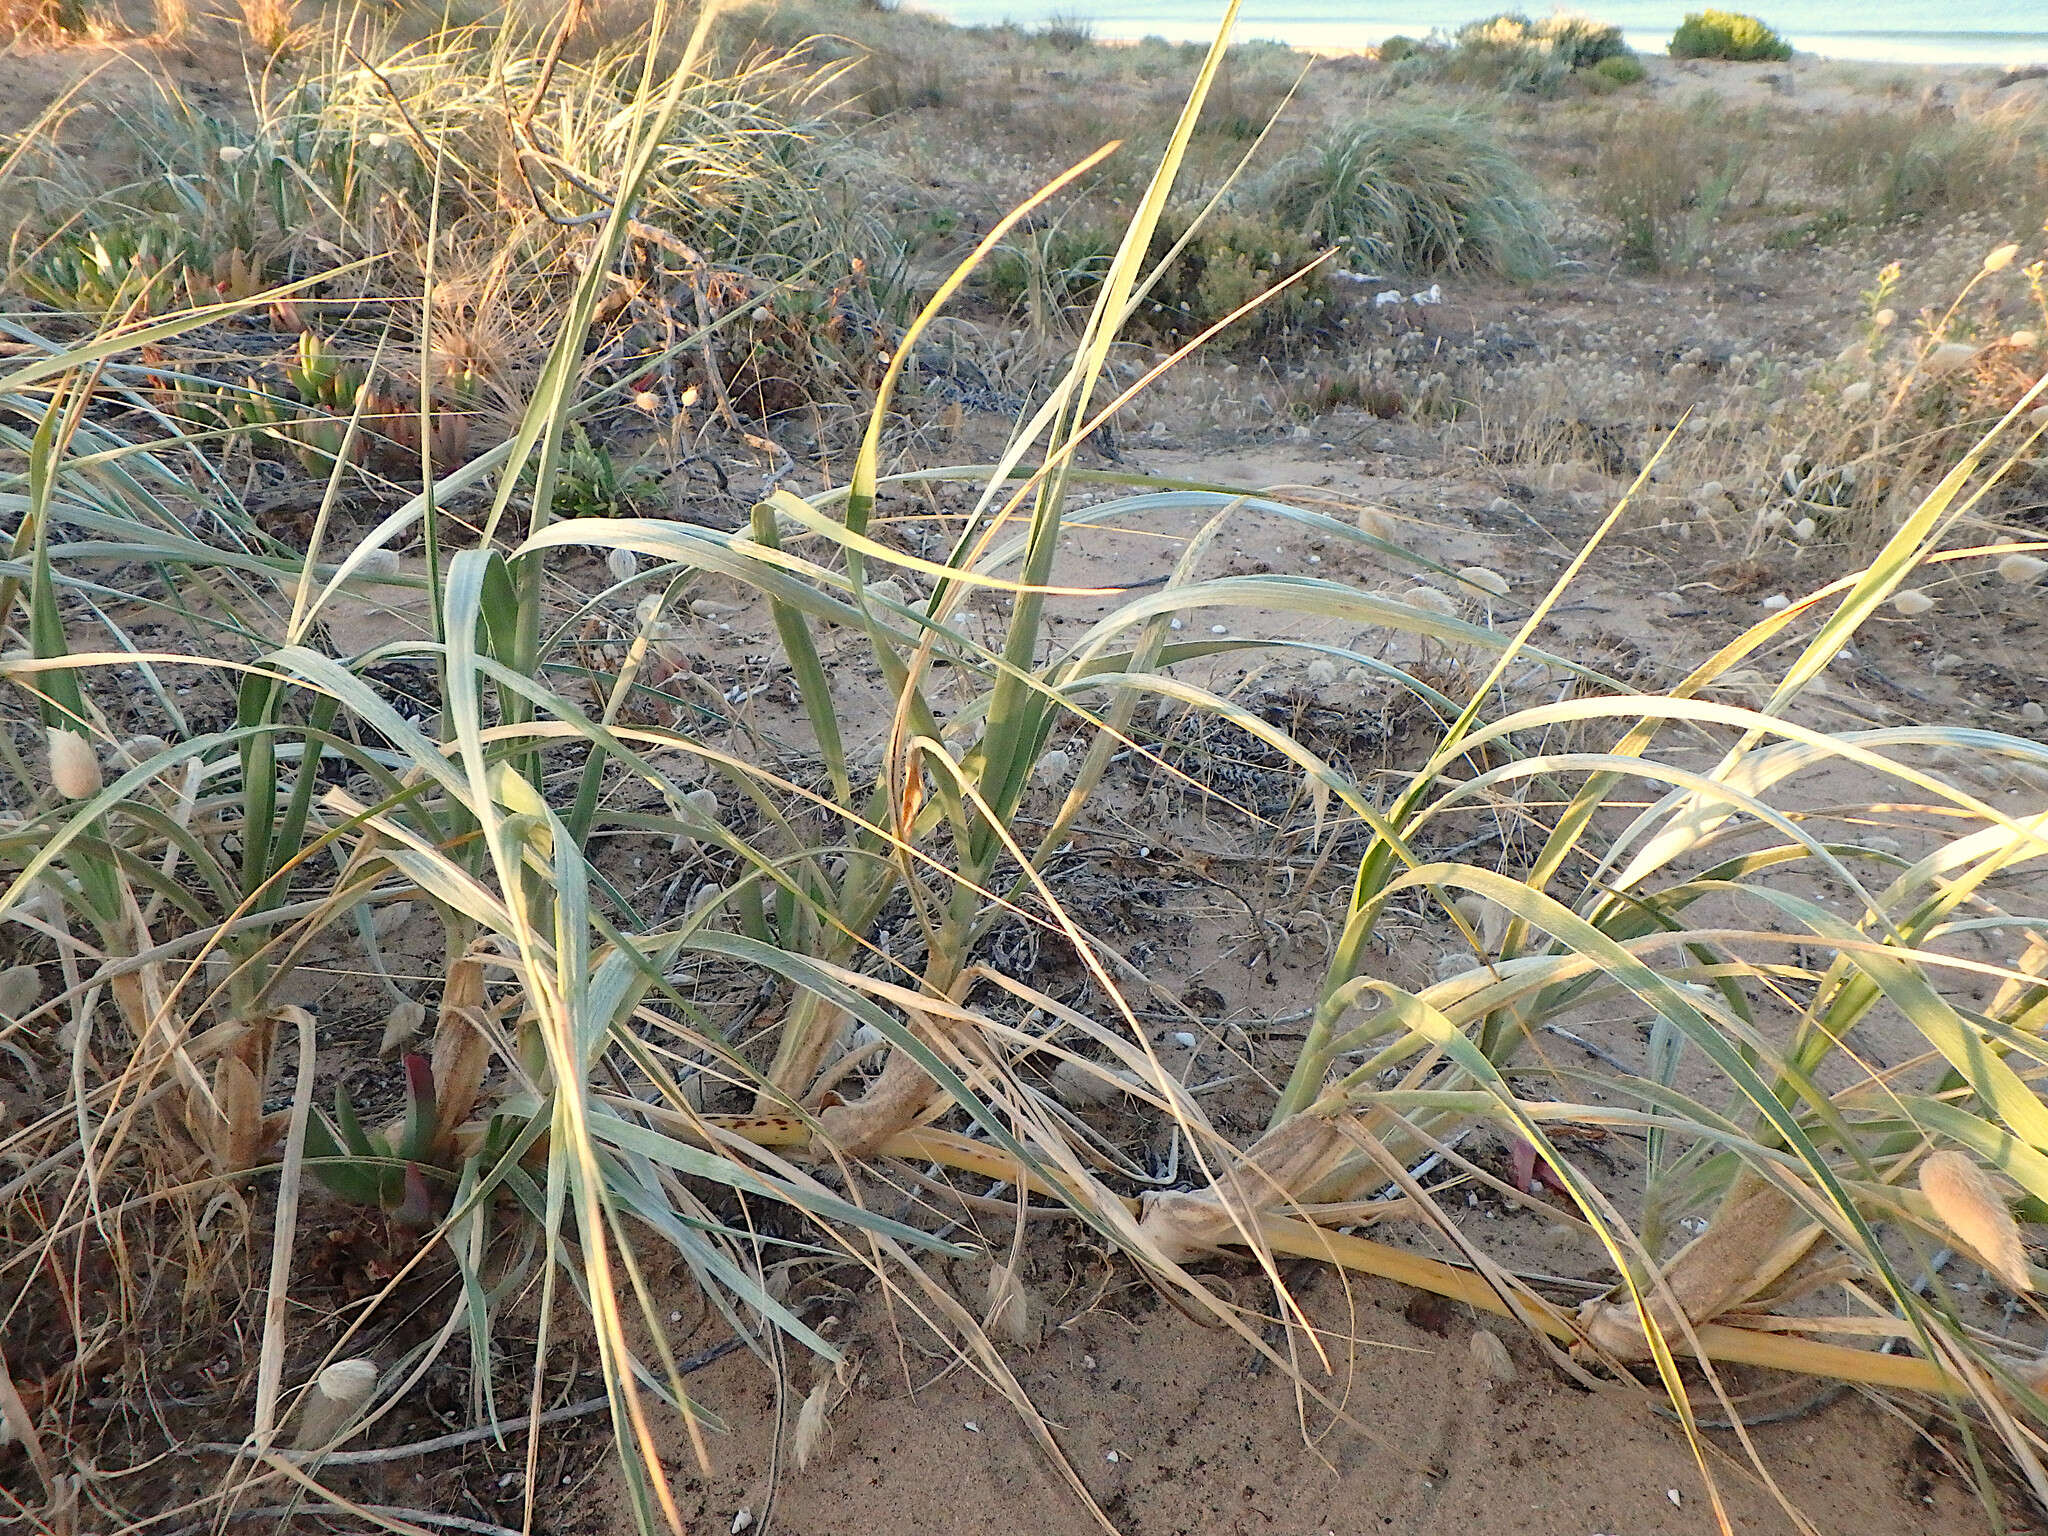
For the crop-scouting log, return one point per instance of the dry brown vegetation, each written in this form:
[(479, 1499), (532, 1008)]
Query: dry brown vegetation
[(714, 744)]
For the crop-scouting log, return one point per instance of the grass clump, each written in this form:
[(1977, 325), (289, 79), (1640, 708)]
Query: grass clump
[(1727, 35), (1664, 182), (1896, 165), (1415, 190)]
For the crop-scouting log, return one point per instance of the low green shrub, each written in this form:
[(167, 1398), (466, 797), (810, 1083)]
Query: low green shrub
[(1231, 260), (1415, 190), (1582, 42), (1397, 48), (1620, 69), (1727, 35)]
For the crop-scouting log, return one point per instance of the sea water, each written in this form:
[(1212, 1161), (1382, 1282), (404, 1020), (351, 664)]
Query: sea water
[(2003, 32)]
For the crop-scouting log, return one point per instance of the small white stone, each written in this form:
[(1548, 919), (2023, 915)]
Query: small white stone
[(2033, 713), (971, 1427), (1777, 601), (1184, 1040), (1219, 629), (742, 1521)]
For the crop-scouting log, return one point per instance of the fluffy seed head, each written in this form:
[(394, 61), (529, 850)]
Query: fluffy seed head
[(1375, 523), (1912, 602), (2001, 258), (623, 564), (1321, 673), (1492, 1357), (2026, 341), (812, 1427), (74, 767), (1857, 393), (1431, 600), (21, 988), (231, 153), (1053, 768), (2033, 713), (1968, 1204), (2021, 570), (1009, 1307), (401, 1025), (1777, 602), (1485, 580), (337, 1396), (378, 562), (702, 803), (1948, 357), (1082, 1087), (1805, 529)]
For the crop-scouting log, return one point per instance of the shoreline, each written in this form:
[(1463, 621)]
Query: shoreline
[(1931, 49)]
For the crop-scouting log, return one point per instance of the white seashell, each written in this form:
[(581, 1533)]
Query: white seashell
[(1777, 601), (1052, 769), (1969, 1205), (1430, 600), (1492, 1357), (742, 1521), (2021, 570), (337, 1395), (1857, 393), (2001, 258), (1486, 580), (1805, 529), (74, 767), (1912, 602), (21, 988), (623, 564), (1948, 357)]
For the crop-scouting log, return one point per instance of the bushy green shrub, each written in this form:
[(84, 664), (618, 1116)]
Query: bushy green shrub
[(1231, 261), (1510, 52), (1397, 48), (1581, 41), (1506, 53), (1727, 35), (1620, 69), (1415, 190)]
